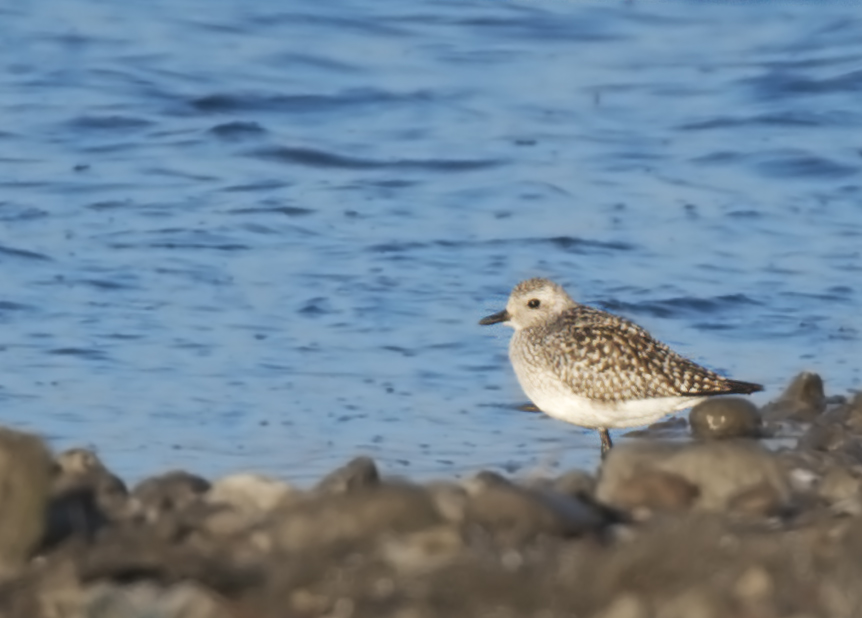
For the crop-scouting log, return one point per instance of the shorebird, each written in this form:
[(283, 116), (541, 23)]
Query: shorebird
[(595, 369)]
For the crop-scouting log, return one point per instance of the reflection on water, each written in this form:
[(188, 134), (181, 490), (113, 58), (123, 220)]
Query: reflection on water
[(254, 236)]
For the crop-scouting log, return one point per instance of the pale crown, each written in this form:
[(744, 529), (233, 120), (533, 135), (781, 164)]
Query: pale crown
[(536, 301)]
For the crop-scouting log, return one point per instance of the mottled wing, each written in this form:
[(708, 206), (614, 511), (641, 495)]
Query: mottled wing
[(607, 358)]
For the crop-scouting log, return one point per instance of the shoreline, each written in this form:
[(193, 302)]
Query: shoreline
[(716, 525)]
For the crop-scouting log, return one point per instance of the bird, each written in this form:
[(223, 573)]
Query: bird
[(596, 369)]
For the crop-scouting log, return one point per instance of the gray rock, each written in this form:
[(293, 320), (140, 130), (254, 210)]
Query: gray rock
[(360, 473), (803, 400), (725, 417), (719, 470)]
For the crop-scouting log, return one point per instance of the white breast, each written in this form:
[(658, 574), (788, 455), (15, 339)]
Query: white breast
[(554, 397)]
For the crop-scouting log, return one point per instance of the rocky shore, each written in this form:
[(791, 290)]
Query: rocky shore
[(756, 513)]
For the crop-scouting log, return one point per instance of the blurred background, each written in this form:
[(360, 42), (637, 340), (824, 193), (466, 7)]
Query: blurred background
[(259, 235)]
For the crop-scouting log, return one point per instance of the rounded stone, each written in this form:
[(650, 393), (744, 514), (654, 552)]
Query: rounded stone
[(725, 417)]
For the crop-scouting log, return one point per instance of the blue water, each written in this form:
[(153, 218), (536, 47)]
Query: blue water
[(259, 235)]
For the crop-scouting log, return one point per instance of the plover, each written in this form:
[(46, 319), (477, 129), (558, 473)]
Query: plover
[(595, 369)]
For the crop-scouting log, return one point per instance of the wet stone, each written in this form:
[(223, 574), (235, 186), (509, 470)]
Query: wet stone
[(725, 417), (803, 400)]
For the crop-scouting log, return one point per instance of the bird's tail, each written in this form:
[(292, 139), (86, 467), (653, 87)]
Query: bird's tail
[(741, 388)]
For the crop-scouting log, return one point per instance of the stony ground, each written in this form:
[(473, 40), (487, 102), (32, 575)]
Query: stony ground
[(714, 526)]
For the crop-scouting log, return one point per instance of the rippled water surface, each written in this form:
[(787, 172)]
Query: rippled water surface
[(260, 234)]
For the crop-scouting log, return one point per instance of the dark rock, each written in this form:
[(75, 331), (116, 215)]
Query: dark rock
[(803, 400), (514, 514), (26, 468), (725, 417), (172, 491), (70, 512), (719, 470), (359, 473)]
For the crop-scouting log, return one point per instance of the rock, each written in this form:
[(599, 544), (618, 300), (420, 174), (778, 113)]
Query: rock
[(71, 512), (514, 514), (803, 400), (725, 417), (719, 470), (172, 491), (655, 490), (758, 501), (831, 438), (853, 414), (78, 472), (423, 551), (839, 484), (78, 461), (26, 469), (575, 484), (359, 473), (320, 522), (250, 494)]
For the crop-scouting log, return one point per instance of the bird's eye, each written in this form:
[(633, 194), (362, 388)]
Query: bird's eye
[(534, 303)]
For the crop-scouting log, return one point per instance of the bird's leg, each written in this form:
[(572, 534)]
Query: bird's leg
[(606, 442)]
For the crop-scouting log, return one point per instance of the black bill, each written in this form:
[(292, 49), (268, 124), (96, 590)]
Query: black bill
[(500, 316)]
